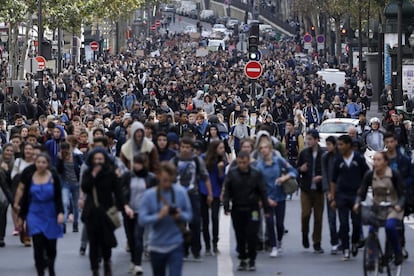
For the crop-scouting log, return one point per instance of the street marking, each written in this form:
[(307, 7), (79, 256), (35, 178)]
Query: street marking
[(224, 261)]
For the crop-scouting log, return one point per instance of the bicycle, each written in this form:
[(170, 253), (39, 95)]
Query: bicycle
[(375, 260)]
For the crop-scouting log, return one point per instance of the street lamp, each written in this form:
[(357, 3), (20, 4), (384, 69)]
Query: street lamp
[(398, 93)]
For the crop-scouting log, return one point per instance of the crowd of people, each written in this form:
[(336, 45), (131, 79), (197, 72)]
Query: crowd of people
[(170, 139)]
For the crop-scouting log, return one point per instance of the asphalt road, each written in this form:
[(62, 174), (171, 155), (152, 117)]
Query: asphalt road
[(17, 260)]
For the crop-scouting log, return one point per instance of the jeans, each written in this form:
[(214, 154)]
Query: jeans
[(332, 224), (246, 227), (195, 226), (393, 234), (70, 193), (134, 233), (173, 260), (215, 208), (277, 212), (345, 206), (41, 244), (312, 200)]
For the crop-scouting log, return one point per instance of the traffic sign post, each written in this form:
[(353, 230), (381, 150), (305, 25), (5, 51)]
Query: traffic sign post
[(307, 39), (94, 46), (320, 39), (253, 70), (41, 63)]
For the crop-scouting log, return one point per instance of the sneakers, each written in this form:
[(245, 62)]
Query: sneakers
[(208, 252), (347, 256), (334, 249), (274, 252), (82, 250), (16, 231), (75, 227), (279, 247), (252, 266), (305, 241), (405, 253), (354, 249), (2, 243), (138, 270), (216, 250), (242, 266), (317, 249), (197, 258)]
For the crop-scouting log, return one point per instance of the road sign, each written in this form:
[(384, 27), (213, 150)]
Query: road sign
[(253, 70), (153, 27), (307, 38), (158, 23), (31, 65), (94, 46), (245, 28), (320, 38), (41, 61)]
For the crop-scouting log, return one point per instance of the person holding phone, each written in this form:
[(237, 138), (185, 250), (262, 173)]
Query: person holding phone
[(164, 210)]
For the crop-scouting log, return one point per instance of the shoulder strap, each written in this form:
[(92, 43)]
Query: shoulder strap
[(95, 196), (162, 199)]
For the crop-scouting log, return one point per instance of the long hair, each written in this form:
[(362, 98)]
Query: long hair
[(211, 155)]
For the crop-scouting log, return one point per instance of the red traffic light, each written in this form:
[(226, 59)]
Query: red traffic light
[(343, 31)]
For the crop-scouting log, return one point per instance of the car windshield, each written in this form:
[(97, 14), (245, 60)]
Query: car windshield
[(338, 127)]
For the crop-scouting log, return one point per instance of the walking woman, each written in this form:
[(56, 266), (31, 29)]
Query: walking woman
[(134, 183), (6, 164), (69, 165), (100, 184), (275, 170), (216, 162), (20, 164), (42, 208)]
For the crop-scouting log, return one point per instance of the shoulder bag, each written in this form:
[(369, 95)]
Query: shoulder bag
[(112, 213)]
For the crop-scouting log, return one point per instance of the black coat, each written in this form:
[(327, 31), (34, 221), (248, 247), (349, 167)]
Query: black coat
[(95, 218), (306, 156), (150, 181)]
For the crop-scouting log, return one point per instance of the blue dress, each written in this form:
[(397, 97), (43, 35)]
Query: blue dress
[(42, 216)]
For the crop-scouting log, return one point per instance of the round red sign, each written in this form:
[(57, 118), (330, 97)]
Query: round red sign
[(94, 46), (41, 61), (253, 70)]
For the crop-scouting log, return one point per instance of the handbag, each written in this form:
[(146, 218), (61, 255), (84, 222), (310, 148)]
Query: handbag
[(112, 213), (290, 186)]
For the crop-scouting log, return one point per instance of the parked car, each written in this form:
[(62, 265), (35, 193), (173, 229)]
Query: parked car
[(193, 14), (335, 127), (190, 29), (168, 8), (221, 20), (232, 23), (219, 28), (206, 14)]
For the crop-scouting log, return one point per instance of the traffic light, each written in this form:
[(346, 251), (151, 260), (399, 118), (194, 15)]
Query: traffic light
[(253, 48), (343, 31)]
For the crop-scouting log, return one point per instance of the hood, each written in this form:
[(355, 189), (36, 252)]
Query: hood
[(62, 131), (200, 93), (136, 126), (91, 154), (260, 134)]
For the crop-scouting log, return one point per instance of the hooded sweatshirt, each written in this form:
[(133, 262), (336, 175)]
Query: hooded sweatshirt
[(53, 146), (132, 148), (198, 101)]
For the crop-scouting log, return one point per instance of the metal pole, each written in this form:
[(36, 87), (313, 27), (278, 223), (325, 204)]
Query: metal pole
[(360, 67), (398, 93), (59, 55), (380, 63), (40, 48)]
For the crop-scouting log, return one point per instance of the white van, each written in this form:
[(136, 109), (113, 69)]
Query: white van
[(333, 76), (206, 14)]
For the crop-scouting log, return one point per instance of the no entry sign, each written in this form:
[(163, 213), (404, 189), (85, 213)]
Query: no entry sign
[(94, 46), (253, 70), (41, 62)]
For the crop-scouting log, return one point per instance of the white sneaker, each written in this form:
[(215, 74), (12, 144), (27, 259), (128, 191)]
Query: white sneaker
[(274, 252), (131, 268), (138, 270)]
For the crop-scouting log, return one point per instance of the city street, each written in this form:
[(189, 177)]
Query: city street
[(17, 260)]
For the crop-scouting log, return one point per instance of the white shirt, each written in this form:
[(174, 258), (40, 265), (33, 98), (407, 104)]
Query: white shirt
[(348, 160)]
